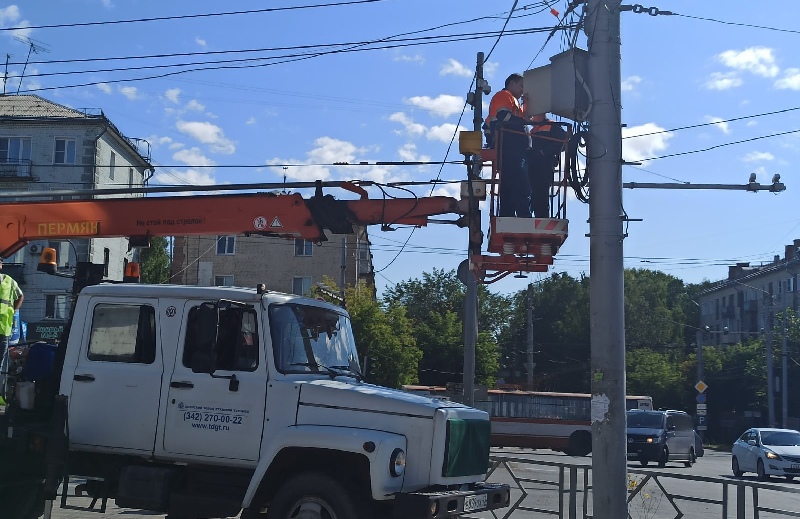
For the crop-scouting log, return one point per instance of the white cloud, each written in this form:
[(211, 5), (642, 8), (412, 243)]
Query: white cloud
[(723, 81), (757, 60), (454, 68), (790, 80), (408, 152), (443, 133), (176, 145), (193, 157), (758, 156), (129, 92), (489, 69), (189, 176), (719, 123), (107, 4), (751, 123), (194, 105), (200, 41), (104, 87), (156, 141), (252, 120), (173, 95), (410, 59), (207, 133), (443, 105), (630, 83), (413, 129), (10, 17), (327, 150), (640, 148)]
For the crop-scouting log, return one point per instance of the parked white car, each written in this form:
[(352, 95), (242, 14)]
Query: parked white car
[(767, 452)]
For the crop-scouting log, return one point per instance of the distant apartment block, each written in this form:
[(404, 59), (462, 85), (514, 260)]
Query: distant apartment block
[(292, 266), (745, 304)]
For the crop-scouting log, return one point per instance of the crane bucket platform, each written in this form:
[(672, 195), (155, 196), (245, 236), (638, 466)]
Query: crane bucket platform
[(523, 244)]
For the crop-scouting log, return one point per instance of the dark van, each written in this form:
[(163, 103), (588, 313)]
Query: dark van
[(661, 436)]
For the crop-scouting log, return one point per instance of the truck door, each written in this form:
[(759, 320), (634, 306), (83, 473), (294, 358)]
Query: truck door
[(117, 379), (218, 414)]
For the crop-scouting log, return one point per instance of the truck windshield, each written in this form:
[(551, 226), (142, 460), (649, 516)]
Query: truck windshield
[(309, 339), (645, 420)]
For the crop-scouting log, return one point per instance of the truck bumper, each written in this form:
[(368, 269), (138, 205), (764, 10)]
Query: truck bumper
[(448, 503)]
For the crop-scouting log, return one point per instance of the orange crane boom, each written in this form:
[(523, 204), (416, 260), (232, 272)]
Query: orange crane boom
[(283, 215)]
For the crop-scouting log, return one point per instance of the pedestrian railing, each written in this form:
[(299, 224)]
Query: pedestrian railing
[(549, 488)]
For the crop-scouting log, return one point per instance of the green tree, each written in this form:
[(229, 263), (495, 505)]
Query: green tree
[(435, 304), (657, 374), (154, 261), (654, 309), (382, 335)]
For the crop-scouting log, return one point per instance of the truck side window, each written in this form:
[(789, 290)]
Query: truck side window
[(237, 340), (123, 333)]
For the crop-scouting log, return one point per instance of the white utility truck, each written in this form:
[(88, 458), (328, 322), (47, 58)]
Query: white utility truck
[(215, 401)]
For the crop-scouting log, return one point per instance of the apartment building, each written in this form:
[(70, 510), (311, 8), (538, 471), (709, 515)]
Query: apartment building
[(292, 266), (746, 303), (45, 148)]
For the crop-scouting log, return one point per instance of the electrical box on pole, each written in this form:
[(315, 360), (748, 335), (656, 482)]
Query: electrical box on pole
[(560, 87)]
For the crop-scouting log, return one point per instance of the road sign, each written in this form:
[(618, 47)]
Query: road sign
[(701, 412), (701, 421), (701, 398), (702, 406), (702, 428), (701, 386)]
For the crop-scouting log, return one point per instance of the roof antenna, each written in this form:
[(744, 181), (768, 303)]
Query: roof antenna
[(5, 75), (34, 46), (285, 169)]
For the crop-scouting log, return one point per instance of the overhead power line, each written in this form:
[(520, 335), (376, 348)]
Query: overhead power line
[(722, 145), (304, 56), (188, 16), (713, 123)]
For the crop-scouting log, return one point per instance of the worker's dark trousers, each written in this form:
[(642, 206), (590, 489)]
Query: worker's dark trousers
[(515, 190), (540, 176)]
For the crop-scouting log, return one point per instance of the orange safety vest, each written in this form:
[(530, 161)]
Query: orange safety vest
[(503, 100)]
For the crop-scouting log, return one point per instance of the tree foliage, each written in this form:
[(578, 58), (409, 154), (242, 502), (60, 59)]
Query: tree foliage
[(154, 261), (383, 335)]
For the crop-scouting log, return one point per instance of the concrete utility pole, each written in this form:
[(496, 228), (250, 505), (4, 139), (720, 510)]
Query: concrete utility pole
[(529, 319), (607, 308), (471, 296)]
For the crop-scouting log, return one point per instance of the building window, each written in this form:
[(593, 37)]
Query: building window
[(130, 177), (106, 261), (112, 165), (223, 281), (226, 245), (15, 156), (303, 247), (123, 333), (56, 306), (301, 285), (65, 151)]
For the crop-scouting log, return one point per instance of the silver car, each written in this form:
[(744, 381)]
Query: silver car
[(767, 452)]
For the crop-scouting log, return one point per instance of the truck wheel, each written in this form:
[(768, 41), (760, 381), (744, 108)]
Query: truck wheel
[(313, 496)]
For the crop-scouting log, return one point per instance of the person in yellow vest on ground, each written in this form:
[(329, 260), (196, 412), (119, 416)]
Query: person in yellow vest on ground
[(10, 300), (505, 130)]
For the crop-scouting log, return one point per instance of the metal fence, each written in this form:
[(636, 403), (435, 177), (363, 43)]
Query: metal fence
[(547, 488)]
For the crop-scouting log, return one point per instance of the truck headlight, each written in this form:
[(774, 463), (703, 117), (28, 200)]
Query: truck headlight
[(397, 462)]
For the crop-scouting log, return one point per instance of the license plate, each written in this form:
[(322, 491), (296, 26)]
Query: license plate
[(795, 466), (475, 502)]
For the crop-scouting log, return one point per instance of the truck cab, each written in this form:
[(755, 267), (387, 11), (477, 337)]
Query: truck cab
[(211, 401)]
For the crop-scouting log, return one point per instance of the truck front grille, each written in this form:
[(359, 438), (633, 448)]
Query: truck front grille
[(467, 448)]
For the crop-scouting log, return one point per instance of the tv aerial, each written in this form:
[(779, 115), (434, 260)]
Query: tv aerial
[(34, 47)]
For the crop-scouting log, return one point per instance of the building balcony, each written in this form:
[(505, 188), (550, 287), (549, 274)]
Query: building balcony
[(15, 168)]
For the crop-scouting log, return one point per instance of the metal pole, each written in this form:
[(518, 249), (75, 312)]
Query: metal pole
[(770, 370), (343, 274), (607, 309), (529, 300), (471, 296), (784, 369), (699, 339)]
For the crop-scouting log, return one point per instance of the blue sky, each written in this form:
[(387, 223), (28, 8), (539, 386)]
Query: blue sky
[(398, 103)]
